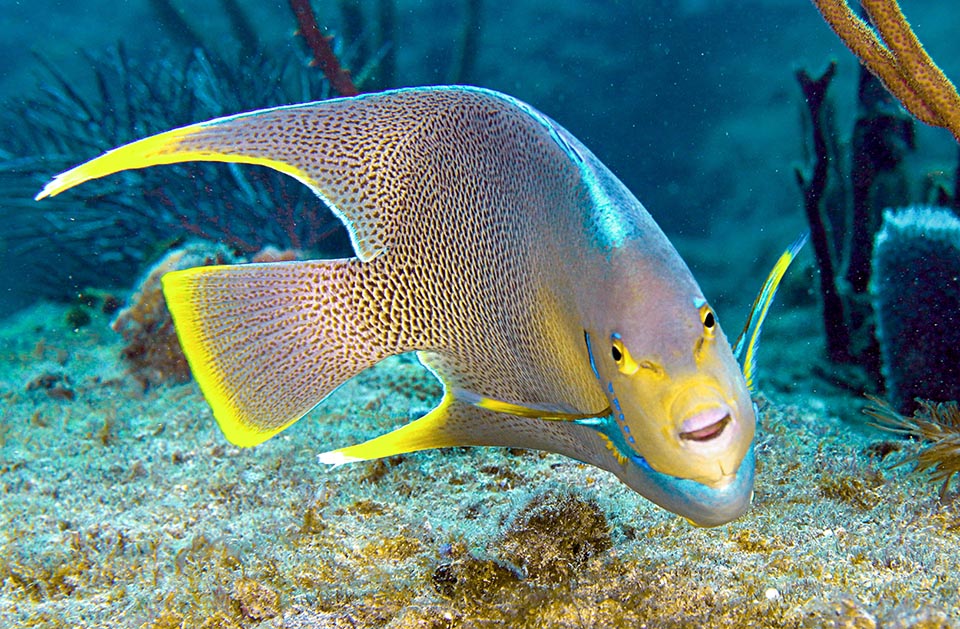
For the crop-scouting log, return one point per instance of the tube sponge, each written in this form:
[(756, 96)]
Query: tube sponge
[(915, 288)]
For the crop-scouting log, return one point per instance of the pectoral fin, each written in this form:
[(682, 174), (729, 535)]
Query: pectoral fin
[(545, 413)]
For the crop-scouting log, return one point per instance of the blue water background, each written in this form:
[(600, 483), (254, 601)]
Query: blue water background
[(692, 103)]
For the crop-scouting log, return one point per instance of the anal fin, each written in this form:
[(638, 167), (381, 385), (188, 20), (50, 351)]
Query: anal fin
[(430, 431), (267, 342)]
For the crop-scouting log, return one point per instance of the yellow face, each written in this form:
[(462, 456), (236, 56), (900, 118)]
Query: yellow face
[(686, 413)]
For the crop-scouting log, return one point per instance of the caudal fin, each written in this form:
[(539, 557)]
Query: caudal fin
[(267, 342)]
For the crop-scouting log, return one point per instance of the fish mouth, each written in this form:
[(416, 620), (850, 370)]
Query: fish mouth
[(707, 425)]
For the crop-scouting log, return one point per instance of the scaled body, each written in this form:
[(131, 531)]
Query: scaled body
[(489, 240)]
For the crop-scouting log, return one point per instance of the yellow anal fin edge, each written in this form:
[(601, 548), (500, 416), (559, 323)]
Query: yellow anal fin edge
[(163, 148), (256, 344), (455, 422), (206, 366)]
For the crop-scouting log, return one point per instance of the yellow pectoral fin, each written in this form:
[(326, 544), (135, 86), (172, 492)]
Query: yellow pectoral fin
[(521, 410), (500, 406)]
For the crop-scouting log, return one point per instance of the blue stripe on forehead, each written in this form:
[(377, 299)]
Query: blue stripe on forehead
[(606, 217)]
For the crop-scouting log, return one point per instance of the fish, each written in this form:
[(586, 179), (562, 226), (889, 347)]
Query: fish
[(490, 241)]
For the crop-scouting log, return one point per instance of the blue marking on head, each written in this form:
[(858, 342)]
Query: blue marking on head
[(702, 504), (641, 462), (612, 431), (593, 365), (604, 220)]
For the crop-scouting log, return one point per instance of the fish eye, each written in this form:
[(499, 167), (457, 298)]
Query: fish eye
[(709, 320), (625, 363), (617, 351)]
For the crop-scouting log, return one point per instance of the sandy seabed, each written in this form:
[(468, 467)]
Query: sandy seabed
[(125, 507)]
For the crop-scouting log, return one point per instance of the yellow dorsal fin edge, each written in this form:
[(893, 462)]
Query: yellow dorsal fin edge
[(163, 148)]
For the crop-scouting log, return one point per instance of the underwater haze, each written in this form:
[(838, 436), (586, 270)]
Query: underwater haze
[(124, 504)]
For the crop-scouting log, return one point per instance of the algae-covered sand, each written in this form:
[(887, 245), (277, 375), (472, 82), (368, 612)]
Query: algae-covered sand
[(126, 507)]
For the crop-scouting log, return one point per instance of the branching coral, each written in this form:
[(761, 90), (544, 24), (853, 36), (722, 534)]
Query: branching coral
[(898, 59), (882, 137), (813, 184), (935, 423), (323, 55), (99, 239)]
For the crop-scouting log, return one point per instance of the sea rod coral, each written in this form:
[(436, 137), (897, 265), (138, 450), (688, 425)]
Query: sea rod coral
[(897, 58)]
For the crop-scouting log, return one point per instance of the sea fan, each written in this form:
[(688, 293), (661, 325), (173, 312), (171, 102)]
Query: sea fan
[(107, 231), (937, 425)]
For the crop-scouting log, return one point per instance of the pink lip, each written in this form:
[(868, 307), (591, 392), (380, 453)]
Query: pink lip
[(706, 425)]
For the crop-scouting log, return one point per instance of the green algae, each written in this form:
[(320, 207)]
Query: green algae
[(554, 536)]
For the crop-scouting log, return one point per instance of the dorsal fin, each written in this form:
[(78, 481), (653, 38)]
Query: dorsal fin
[(357, 154)]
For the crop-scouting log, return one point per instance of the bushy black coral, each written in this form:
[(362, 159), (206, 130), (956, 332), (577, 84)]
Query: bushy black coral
[(104, 232)]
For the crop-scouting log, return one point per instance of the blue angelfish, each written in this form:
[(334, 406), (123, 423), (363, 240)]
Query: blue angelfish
[(494, 244)]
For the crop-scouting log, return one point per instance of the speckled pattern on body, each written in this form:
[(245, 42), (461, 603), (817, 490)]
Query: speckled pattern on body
[(493, 243), (486, 314)]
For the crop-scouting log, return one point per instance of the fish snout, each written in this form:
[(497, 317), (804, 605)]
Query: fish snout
[(711, 428), (713, 435)]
